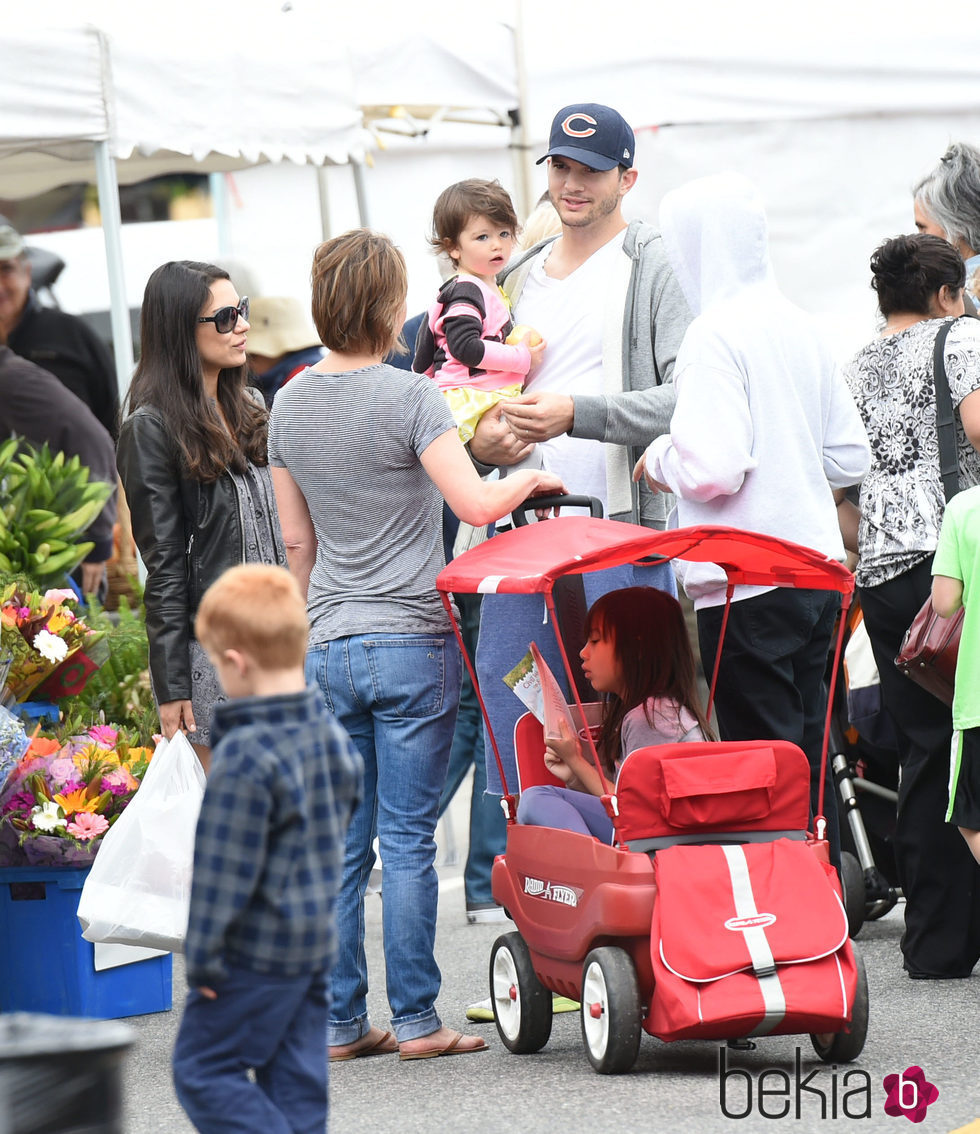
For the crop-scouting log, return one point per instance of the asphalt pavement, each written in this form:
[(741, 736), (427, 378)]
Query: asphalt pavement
[(674, 1088)]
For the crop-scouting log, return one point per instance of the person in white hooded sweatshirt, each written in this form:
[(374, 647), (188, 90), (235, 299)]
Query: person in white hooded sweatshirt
[(765, 437)]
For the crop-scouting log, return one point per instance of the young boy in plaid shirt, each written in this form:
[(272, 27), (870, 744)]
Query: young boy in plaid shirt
[(261, 935)]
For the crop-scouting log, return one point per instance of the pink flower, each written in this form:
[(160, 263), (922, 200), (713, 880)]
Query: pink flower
[(22, 802), (85, 826), (23, 612), (104, 736), (119, 782), (61, 770), (60, 595)]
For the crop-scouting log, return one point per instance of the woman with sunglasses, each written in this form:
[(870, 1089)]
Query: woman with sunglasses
[(192, 459)]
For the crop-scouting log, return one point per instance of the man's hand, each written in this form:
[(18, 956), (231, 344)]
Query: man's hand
[(640, 470), (92, 576), (540, 416), (494, 442), (208, 993)]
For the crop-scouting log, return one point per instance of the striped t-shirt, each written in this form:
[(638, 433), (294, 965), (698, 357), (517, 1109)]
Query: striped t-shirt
[(352, 442)]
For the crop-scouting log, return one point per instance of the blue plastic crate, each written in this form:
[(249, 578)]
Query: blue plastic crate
[(47, 966)]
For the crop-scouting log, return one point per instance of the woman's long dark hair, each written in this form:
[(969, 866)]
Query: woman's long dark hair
[(170, 376), (651, 642)]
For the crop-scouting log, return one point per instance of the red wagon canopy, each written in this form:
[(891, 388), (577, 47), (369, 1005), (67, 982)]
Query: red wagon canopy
[(528, 560)]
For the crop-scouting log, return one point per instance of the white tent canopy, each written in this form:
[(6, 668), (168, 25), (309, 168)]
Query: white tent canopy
[(165, 101), (833, 111), (81, 102)]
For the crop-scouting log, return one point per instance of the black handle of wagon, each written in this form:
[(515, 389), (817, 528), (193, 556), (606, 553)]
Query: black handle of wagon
[(519, 515)]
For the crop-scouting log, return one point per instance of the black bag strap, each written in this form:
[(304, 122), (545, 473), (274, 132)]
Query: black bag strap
[(945, 428)]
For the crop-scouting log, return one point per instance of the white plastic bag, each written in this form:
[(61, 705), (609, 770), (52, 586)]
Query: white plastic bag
[(139, 887)]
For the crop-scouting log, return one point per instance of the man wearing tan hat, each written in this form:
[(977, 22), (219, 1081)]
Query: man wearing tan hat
[(52, 339), (281, 342)]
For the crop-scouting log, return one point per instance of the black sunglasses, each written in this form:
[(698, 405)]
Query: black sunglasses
[(225, 319)]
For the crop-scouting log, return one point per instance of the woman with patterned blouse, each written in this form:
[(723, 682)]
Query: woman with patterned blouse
[(919, 281)]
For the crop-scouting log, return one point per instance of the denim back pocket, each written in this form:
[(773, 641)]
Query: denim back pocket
[(315, 671), (408, 673)]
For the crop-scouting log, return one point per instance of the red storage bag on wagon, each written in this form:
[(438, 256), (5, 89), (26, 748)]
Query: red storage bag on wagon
[(674, 790), (747, 940)]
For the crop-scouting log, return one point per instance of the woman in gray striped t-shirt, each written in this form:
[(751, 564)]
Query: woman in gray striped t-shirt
[(362, 455)]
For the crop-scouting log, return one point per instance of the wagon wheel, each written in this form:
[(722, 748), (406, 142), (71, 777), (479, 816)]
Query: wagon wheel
[(842, 1047), (855, 894), (521, 1003), (610, 1010)]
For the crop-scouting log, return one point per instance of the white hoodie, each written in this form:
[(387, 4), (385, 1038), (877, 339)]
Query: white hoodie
[(764, 426)]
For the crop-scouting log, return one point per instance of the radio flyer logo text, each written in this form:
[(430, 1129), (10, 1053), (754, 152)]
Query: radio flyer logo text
[(552, 891)]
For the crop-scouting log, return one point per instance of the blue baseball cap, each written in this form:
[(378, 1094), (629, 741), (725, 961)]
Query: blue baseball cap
[(595, 135)]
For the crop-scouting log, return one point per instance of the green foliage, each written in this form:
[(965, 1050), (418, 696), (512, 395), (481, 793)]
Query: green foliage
[(47, 502)]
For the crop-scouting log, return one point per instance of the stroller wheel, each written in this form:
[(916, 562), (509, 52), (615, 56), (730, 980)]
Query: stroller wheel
[(855, 894), (610, 1010), (521, 1003), (843, 1046)]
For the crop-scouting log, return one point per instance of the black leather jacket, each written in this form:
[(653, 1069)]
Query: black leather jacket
[(187, 533)]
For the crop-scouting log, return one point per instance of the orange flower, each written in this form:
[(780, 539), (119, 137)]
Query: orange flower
[(59, 620), (42, 746), (76, 801), (138, 756)]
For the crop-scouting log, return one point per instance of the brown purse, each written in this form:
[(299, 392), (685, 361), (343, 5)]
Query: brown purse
[(929, 649), (931, 643)]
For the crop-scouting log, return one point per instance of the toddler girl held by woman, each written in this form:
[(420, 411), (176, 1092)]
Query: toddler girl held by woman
[(638, 654), (464, 343)]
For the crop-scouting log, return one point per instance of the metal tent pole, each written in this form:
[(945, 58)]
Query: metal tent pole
[(122, 335)]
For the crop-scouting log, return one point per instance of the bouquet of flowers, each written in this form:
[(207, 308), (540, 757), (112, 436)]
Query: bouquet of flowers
[(44, 645), (61, 798), (13, 742)]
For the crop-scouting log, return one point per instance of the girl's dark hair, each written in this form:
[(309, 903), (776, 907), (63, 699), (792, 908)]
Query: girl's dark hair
[(170, 376), (471, 198), (651, 642), (907, 271)]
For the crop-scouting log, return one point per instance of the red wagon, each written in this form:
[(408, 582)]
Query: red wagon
[(716, 913)]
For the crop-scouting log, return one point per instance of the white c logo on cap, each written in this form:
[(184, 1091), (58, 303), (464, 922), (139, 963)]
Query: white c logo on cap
[(568, 129)]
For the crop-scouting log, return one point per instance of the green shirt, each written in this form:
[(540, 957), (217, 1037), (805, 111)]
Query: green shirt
[(958, 557)]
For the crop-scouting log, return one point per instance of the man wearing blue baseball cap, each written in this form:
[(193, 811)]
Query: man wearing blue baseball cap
[(604, 297)]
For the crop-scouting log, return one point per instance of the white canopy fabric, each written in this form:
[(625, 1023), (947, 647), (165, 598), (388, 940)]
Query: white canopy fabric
[(761, 60), (154, 92), (52, 93), (166, 99)]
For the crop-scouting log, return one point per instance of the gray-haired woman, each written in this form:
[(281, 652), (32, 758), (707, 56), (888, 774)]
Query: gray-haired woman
[(947, 204)]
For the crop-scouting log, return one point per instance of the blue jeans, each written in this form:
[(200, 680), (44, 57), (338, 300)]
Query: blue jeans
[(274, 1025), (508, 624), (396, 695), (488, 828)]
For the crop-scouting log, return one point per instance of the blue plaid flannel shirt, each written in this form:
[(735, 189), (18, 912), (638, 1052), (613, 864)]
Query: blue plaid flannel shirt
[(285, 778)]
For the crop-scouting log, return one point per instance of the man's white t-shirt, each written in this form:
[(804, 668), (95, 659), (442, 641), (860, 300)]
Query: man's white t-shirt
[(569, 315)]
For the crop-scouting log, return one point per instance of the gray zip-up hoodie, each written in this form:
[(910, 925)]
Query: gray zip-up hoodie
[(645, 317)]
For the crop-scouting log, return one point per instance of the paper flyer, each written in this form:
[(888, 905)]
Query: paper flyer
[(534, 683)]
